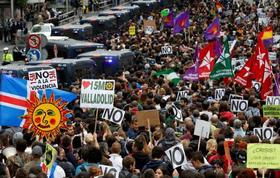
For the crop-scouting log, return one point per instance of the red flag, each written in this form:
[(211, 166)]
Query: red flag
[(266, 82), (259, 56), (244, 76), (207, 60)]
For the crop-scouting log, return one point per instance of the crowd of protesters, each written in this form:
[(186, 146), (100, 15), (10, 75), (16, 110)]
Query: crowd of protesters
[(128, 148)]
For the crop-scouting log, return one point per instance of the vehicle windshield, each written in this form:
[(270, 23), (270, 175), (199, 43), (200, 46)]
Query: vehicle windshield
[(40, 28)]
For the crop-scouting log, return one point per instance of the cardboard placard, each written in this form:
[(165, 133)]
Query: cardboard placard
[(97, 93), (265, 156), (43, 79), (132, 30), (143, 116), (176, 155), (165, 50), (238, 105), (177, 113), (264, 133), (149, 26), (219, 93), (109, 170), (202, 128), (273, 100), (271, 111), (114, 115)]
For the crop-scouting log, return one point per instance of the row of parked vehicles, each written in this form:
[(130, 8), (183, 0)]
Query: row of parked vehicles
[(82, 59)]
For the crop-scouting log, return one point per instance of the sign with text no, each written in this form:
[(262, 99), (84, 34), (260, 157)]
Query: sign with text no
[(238, 105), (114, 115), (43, 79), (176, 155)]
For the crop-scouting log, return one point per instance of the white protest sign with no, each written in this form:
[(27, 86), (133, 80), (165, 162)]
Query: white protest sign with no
[(182, 94), (114, 115), (202, 128), (273, 100), (233, 96), (109, 170), (256, 86), (264, 133), (237, 105), (177, 113), (219, 93), (43, 79), (176, 155), (97, 93), (166, 50), (272, 56)]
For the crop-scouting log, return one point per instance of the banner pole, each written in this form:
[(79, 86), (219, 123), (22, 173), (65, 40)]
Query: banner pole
[(149, 128), (95, 124), (199, 141)]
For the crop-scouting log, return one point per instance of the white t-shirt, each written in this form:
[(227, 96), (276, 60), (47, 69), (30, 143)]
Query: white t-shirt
[(58, 172), (116, 161)]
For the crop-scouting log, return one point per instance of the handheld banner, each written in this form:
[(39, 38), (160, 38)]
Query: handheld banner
[(264, 133), (97, 93), (238, 105), (114, 115), (271, 110), (49, 156), (43, 79), (219, 93), (202, 128), (176, 155), (265, 156)]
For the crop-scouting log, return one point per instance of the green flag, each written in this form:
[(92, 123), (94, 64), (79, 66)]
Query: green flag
[(222, 67), (170, 75), (164, 12)]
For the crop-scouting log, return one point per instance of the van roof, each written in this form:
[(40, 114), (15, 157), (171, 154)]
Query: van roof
[(102, 52), (61, 61), (127, 7), (110, 12), (72, 26), (16, 67), (72, 42), (101, 18)]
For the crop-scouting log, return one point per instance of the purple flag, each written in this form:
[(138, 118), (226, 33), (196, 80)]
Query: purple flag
[(218, 47), (192, 72), (213, 30), (181, 21), (169, 20), (276, 85)]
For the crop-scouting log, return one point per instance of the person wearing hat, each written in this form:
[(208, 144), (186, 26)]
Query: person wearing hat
[(7, 57)]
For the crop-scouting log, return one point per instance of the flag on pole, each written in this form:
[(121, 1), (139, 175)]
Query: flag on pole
[(14, 93), (192, 72), (244, 76), (213, 30), (207, 60), (169, 19), (266, 83), (267, 36), (170, 75), (164, 12), (181, 21), (222, 67)]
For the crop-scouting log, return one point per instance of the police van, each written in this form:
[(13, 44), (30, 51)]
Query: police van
[(110, 62)]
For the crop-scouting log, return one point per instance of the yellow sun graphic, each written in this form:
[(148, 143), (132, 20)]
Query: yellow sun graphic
[(46, 117)]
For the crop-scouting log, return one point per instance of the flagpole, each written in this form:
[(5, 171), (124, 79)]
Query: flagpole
[(276, 83), (185, 33)]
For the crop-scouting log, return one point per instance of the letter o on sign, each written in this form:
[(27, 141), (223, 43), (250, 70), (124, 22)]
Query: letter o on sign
[(242, 106), (178, 153), (117, 116)]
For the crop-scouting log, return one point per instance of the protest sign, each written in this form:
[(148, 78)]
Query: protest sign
[(219, 93), (165, 50), (264, 133), (132, 30), (273, 100), (43, 79), (256, 86), (182, 94), (142, 118), (237, 105), (109, 170), (265, 156), (271, 110), (149, 26), (114, 115), (97, 93), (272, 56), (233, 96), (177, 113), (202, 128), (176, 155), (49, 157)]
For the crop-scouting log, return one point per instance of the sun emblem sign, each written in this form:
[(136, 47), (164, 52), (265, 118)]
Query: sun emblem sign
[(46, 117)]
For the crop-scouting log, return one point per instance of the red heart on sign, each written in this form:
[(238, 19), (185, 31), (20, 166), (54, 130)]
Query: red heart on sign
[(86, 84)]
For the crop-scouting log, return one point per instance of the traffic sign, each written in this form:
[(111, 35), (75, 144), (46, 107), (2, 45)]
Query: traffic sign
[(44, 40), (34, 41), (44, 54), (33, 55)]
